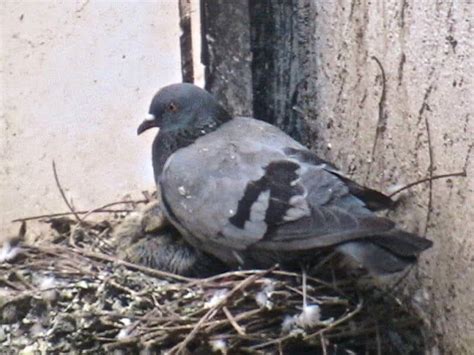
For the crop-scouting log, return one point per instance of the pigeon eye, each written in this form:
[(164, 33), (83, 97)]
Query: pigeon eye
[(172, 107)]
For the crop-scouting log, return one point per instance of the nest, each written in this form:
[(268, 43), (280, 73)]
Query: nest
[(71, 293)]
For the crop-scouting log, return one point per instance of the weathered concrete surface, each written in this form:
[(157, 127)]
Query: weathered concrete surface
[(376, 82), (226, 54), (426, 51), (282, 63), (77, 76)]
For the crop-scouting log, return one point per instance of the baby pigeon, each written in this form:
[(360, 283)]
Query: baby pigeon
[(141, 238), (244, 191)]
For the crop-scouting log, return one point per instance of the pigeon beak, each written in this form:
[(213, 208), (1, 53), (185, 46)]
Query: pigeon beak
[(148, 123)]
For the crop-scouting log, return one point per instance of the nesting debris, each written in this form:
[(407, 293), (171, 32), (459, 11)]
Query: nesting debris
[(71, 293)]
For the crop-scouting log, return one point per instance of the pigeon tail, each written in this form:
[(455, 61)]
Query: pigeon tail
[(388, 253)]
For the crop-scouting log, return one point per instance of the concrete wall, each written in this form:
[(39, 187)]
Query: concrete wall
[(426, 50), (376, 82), (77, 78)]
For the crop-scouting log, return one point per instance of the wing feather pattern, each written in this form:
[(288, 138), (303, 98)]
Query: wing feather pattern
[(262, 190)]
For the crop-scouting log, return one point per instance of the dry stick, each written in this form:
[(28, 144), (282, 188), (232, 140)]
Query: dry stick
[(318, 333), (318, 281), (233, 322), (61, 214), (102, 209), (301, 293), (58, 184), (144, 269), (179, 348), (77, 225), (389, 291), (323, 344), (271, 342), (430, 170), (380, 120), (155, 331), (240, 317), (304, 289), (432, 178), (209, 326), (95, 210), (235, 273), (280, 349), (103, 257), (377, 339), (337, 322)]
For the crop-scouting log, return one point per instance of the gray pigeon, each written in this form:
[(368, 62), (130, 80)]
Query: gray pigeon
[(242, 190)]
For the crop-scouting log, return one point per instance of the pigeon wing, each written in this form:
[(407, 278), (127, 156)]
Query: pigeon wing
[(239, 187)]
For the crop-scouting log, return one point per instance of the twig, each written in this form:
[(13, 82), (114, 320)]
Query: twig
[(239, 317), (305, 303), (95, 210), (144, 269), (332, 286), (434, 177), (58, 184), (103, 257), (381, 121), (377, 339), (318, 333), (323, 344), (179, 348), (337, 322), (430, 182), (271, 342), (62, 214), (225, 275), (232, 321)]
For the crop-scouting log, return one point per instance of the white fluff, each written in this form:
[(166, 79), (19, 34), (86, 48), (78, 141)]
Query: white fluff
[(47, 282), (125, 331), (263, 297), (288, 323), (8, 252), (216, 298), (393, 188), (309, 317), (218, 345)]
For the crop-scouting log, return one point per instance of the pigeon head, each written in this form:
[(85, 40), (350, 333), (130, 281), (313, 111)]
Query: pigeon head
[(184, 110)]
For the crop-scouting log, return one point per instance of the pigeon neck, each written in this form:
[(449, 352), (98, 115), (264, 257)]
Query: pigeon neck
[(163, 146), (204, 121), (166, 143)]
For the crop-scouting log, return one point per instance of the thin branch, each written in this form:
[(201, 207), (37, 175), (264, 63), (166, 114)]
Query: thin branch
[(432, 178), (180, 348), (430, 182), (233, 322), (104, 257), (58, 184), (102, 209), (381, 121), (337, 322), (378, 341), (62, 214), (323, 344), (95, 210), (305, 302)]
